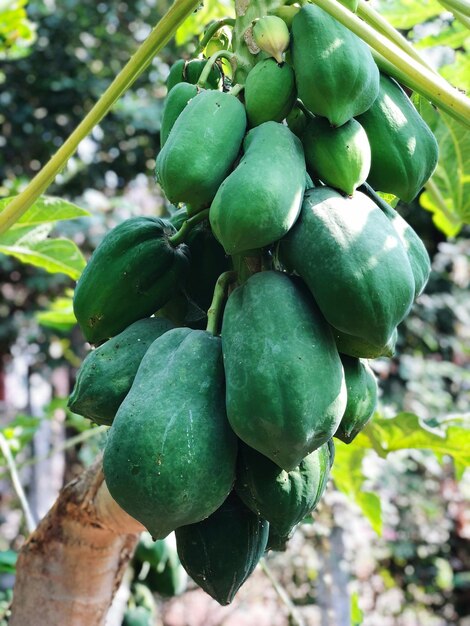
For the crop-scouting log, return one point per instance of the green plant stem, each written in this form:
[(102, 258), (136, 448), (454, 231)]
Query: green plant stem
[(215, 309), (380, 24), (400, 65), (220, 54), (159, 36), (211, 30), (15, 479), (236, 89), (295, 617), (464, 19), (188, 225), (461, 6)]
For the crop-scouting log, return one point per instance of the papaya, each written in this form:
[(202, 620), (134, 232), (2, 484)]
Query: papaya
[(353, 262), (404, 149), (297, 121), (257, 204), (286, 13), (190, 71), (340, 157), (360, 348), (175, 102), (362, 398), (201, 148), (283, 498), (335, 72), (417, 254), (132, 273), (107, 373), (165, 575), (138, 616), (170, 455), (285, 390), (270, 34), (220, 552), (277, 542), (269, 92)]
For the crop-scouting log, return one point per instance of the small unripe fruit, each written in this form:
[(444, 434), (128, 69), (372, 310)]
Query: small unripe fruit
[(271, 35)]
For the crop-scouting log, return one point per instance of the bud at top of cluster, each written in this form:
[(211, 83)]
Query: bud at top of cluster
[(270, 33)]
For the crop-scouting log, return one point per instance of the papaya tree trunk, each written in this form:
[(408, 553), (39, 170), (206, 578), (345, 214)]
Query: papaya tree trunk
[(71, 566)]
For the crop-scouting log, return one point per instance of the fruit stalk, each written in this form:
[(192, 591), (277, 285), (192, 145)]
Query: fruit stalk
[(215, 309)]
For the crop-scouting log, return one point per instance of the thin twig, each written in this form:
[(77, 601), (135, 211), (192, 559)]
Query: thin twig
[(295, 617)]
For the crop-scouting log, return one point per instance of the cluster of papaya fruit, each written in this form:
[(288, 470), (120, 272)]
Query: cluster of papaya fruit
[(225, 435)]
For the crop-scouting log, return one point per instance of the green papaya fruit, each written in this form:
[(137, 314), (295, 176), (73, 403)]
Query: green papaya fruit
[(220, 552), (283, 498), (286, 13), (208, 262), (335, 72), (340, 157), (285, 384), (297, 121), (269, 92), (165, 574), (138, 616), (201, 148), (353, 262), (270, 34), (175, 102), (178, 217), (257, 204), (170, 455), (417, 253), (107, 373), (132, 273), (362, 398), (190, 71), (277, 542), (404, 149), (360, 348)]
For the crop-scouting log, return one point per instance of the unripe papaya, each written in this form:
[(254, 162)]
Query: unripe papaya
[(362, 398), (170, 455), (107, 373), (269, 92), (257, 204), (270, 33), (220, 552), (360, 348), (285, 385), (175, 102), (190, 71), (353, 262), (404, 149), (335, 72), (201, 148), (283, 498), (340, 157), (132, 273), (297, 121), (286, 13)]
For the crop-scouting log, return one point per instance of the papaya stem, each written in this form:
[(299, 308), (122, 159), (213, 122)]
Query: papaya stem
[(374, 19), (460, 6), (188, 225), (461, 17), (142, 58), (211, 30), (236, 89), (220, 54), (215, 309), (394, 61)]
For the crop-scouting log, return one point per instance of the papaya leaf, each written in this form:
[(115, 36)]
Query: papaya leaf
[(349, 478), (53, 255), (453, 36), (458, 72), (404, 14), (451, 436), (59, 315), (195, 23), (46, 209), (17, 33), (447, 194)]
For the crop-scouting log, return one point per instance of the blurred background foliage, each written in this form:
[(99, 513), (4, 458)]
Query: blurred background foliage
[(388, 545)]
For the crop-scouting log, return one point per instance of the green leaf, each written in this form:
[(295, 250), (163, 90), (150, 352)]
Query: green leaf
[(349, 478), (453, 36), (195, 23), (357, 616), (447, 194), (46, 209), (404, 14), (458, 72), (406, 431), (59, 315), (53, 255)]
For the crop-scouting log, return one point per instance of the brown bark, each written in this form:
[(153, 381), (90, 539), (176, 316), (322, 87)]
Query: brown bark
[(71, 566)]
